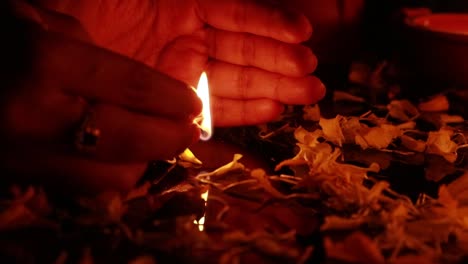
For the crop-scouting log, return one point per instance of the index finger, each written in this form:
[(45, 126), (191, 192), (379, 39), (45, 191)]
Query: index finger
[(257, 17), (100, 75)]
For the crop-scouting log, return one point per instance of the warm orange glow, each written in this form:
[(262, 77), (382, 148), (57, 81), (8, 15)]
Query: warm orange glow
[(449, 23), (201, 222), (203, 92)]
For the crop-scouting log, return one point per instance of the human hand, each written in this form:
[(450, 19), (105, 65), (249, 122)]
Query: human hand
[(250, 49), (142, 115)]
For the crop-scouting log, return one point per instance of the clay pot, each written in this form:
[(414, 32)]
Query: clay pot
[(434, 51)]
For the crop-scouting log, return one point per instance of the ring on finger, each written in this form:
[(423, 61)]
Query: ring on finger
[(88, 134)]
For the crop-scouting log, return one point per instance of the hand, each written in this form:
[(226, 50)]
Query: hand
[(250, 49), (142, 115)]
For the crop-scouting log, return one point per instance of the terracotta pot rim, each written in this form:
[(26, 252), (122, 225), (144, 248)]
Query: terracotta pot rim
[(421, 24)]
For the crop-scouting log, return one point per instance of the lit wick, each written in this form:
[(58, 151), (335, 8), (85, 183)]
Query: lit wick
[(201, 222), (204, 119)]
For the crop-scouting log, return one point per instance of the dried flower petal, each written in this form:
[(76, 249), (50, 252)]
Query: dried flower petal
[(437, 103), (356, 248), (332, 130), (440, 143), (402, 110), (187, 159), (311, 112), (413, 144), (231, 166)]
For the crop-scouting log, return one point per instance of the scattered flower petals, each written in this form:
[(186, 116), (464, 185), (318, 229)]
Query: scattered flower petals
[(438, 103)]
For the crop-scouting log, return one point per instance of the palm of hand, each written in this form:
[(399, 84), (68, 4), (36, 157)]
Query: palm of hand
[(136, 28), (250, 51)]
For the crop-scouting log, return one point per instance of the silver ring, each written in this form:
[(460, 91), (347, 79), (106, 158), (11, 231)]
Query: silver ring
[(88, 134)]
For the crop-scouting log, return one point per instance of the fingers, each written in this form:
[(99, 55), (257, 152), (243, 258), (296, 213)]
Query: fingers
[(53, 119), (100, 75), (143, 115), (126, 136), (71, 173), (230, 112), (257, 17), (84, 175), (261, 52), (236, 82), (40, 115)]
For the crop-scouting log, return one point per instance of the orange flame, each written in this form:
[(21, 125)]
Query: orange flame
[(203, 92)]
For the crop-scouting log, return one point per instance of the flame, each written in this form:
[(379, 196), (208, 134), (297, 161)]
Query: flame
[(201, 222), (203, 92)]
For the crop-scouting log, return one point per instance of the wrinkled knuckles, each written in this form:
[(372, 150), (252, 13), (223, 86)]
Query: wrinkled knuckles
[(248, 50), (244, 82), (316, 90)]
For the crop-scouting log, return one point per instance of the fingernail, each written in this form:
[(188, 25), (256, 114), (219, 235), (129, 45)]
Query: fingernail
[(308, 26), (301, 30), (198, 105), (196, 134), (311, 61), (321, 91)]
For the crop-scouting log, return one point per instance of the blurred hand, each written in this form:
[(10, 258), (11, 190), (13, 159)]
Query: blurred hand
[(143, 115), (250, 49)]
